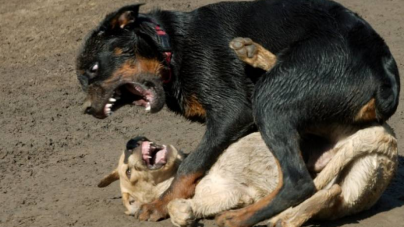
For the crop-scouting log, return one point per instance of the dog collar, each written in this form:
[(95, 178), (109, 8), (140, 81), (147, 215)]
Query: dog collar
[(164, 41)]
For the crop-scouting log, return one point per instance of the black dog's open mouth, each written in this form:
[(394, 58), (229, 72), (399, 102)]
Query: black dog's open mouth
[(130, 94), (154, 156)]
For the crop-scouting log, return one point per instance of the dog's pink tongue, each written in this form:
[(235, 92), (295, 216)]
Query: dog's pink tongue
[(161, 156), (145, 151), (137, 90)]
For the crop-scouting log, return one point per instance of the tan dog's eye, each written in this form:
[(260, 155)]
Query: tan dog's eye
[(128, 172)]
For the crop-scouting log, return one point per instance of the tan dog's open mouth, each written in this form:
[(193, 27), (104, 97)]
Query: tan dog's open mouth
[(154, 156)]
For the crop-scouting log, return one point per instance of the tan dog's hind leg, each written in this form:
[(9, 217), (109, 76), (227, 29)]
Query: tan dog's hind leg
[(372, 140), (297, 216), (253, 53), (353, 181)]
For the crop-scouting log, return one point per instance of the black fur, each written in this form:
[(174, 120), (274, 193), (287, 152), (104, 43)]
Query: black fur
[(330, 64), (131, 145)]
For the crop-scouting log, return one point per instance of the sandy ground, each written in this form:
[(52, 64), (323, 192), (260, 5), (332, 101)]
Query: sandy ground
[(52, 156)]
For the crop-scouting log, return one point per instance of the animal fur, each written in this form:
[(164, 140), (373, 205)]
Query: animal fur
[(362, 165)]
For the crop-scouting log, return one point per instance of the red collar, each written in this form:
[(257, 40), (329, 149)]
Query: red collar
[(165, 43)]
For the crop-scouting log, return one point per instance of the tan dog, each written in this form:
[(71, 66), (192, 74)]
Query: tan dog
[(352, 175)]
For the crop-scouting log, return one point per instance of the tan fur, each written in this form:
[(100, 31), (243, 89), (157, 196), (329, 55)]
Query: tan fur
[(353, 180), (351, 176), (264, 59), (261, 57), (144, 185)]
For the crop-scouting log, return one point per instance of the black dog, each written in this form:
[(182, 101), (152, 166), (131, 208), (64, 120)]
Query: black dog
[(332, 69)]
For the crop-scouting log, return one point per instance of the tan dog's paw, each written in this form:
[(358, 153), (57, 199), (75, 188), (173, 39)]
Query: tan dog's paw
[(132, 208), (244, 47), (132, 211), (252, 53), (151, 212), (181, 212)]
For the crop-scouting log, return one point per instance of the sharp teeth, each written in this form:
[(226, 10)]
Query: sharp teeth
[(112, 100), (148, 106), (107, 109)]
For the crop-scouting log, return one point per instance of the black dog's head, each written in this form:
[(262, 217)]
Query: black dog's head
[(120, 63)]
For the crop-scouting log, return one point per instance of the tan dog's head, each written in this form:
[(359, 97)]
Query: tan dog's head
[(145, 171)]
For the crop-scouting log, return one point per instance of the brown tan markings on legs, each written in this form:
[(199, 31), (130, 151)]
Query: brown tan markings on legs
[(367, 112), (241, 216), (181, 188), (193, 108)]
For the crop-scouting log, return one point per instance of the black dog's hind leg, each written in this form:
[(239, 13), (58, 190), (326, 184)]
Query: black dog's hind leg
[(295, 183), (308, 86)]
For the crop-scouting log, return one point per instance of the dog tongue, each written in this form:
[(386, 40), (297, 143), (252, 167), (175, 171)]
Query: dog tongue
[(161, 156), (134, 89)]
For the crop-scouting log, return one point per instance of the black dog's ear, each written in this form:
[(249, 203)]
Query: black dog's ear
[(123, 17)]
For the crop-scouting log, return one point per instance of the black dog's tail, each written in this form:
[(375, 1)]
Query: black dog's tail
[(387, 95)]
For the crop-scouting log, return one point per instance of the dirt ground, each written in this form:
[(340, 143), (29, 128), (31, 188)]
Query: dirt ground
[(52, 156)]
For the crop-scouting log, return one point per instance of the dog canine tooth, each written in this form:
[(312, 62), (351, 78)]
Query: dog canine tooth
[(112, 100), (109, 105), (148, 106)]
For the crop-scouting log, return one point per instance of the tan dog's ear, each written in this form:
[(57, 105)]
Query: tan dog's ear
[(113, 176)]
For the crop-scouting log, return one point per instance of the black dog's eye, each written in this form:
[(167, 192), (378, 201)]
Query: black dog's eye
[(128, 172), (93, 70)]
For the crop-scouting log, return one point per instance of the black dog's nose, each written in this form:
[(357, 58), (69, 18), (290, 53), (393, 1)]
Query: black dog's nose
[(87, 108)]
